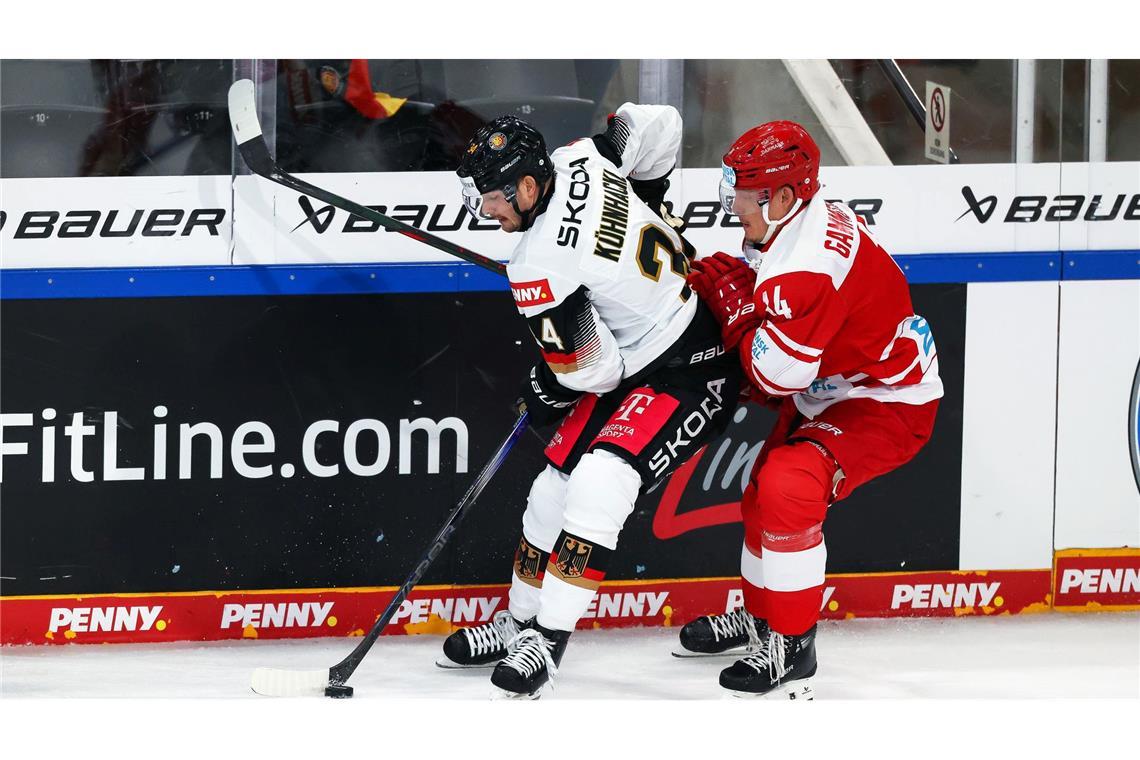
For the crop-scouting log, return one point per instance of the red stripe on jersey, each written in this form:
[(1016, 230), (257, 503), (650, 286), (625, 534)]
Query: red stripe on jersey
[(584, 356), (771, 387), (783, 345), (553, 357), (917, 373), (754, 376), (591, 574)]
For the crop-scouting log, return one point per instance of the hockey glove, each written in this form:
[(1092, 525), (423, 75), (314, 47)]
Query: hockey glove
[(545, 398), (726, 285), (652, 193)]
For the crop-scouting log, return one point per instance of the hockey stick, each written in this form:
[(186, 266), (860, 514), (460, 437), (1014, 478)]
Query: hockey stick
[(252, 146), (296, 683)]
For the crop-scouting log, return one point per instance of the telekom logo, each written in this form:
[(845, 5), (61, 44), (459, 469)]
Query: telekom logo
[(636, 404)]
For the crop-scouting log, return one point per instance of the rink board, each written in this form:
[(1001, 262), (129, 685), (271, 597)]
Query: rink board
[(213, 616), (319, 441), (1095, 580), (237, 312), (1080, 580)]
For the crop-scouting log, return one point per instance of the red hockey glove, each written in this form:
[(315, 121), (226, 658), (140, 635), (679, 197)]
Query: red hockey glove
[(726, 285)]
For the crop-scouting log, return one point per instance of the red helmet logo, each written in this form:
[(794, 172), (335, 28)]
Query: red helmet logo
[(775, 154)]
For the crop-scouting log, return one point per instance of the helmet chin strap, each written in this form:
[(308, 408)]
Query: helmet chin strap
[(774, 224), (526, 218), (751, 252)]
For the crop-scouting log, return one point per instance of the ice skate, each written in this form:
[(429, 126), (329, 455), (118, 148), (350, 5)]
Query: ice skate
[(532, 662), (480, 646), (783, 666), (730, 633)]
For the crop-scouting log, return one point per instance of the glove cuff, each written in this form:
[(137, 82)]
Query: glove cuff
[(550, 385)]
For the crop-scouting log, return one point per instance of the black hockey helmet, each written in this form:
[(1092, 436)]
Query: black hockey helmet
[(498, 156)]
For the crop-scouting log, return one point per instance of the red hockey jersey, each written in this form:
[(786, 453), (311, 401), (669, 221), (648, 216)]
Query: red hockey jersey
[(840, 323)]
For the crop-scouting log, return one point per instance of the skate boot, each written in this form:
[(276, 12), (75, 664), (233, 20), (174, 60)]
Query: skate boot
[(730, 633), (533, 660), (480, 646), (783, 664)]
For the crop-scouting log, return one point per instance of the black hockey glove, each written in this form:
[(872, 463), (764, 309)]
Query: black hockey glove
[(652, 193), (545, 398)]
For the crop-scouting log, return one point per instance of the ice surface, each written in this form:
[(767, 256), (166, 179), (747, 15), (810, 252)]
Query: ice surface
[(1046, 655)]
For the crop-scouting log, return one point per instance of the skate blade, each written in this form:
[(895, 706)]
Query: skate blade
[(447, 664), (796, 691), (498, 694), (736, 652)]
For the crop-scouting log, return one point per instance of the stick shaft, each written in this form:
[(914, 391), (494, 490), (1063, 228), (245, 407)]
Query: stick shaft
[(388, 223), (255, 152), (339, 673)]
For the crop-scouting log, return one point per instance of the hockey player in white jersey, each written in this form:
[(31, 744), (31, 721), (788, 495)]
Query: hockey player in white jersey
[(631, 361)]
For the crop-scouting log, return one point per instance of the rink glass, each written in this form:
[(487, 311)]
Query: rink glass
[(69, 118)]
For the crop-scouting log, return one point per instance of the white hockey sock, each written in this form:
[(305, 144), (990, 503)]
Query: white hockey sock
[(599, 497), (542, 521), (751, 567), (524, 599), (563, 604)]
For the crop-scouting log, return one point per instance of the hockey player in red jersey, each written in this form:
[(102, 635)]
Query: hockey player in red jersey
[(630, 362), (822, 322)]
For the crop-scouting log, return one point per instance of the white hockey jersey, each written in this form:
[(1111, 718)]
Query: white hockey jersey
[(600, 277)]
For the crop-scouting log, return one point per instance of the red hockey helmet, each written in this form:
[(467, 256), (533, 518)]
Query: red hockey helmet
[(764, 159)]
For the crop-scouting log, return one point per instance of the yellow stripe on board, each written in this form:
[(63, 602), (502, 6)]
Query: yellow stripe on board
[(475, 586), (1118, 552)]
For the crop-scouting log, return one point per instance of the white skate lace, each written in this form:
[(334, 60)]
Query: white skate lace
[(493, 636), (735, 623), (530, 651), (770, 657)]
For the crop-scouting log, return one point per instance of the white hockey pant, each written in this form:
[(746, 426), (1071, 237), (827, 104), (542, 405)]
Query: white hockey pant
[(593, 503)]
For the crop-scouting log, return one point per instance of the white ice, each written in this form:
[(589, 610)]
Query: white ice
[(1045, 655)]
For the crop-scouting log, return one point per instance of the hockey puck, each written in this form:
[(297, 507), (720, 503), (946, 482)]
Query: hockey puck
[(338, 691)]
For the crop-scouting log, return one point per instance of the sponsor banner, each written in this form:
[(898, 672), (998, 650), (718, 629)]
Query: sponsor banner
[(911, 209), (281, 226), (319, 442), (957, 593), (1097, 579), (213, 616), (1110, 187), (962, 208), (115, 221), (532, 293)]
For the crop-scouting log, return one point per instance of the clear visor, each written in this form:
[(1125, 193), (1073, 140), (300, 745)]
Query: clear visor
[(473, 199), (738, 202)]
